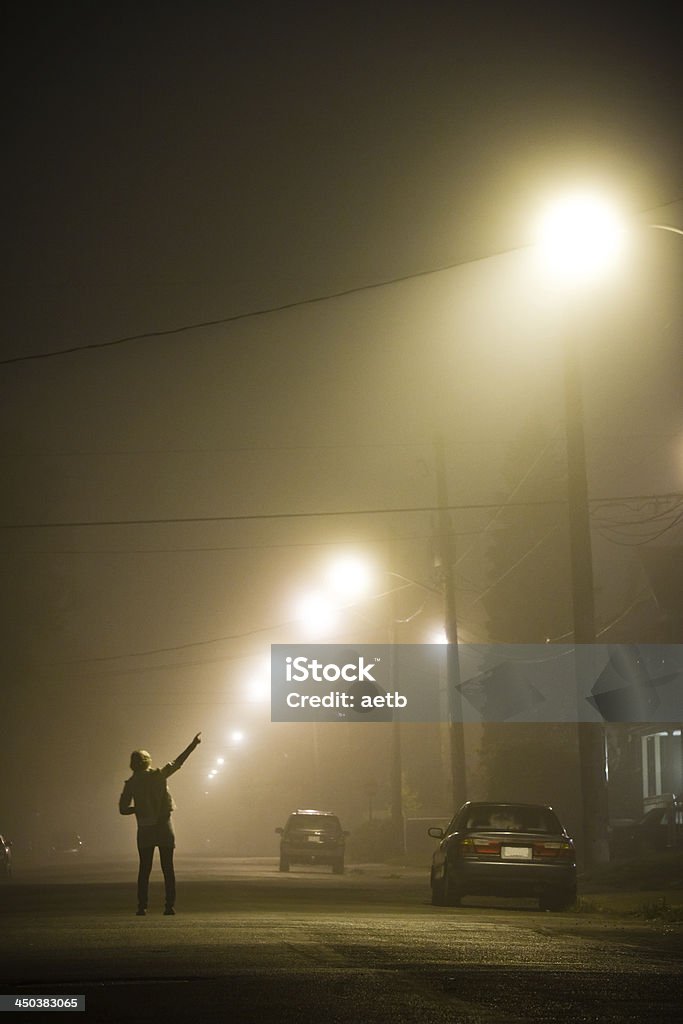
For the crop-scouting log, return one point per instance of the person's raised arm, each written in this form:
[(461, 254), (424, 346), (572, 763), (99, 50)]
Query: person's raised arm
[(180, 760)]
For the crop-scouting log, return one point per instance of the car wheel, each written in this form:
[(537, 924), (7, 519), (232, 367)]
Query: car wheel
[(557, 900), (438, 892), (284, 864), (452, 894), (338, 867)]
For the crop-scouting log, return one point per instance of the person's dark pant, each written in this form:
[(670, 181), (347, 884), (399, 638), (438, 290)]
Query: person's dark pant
[(146, 857)]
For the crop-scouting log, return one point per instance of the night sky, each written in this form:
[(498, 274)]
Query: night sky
[(375, 169)]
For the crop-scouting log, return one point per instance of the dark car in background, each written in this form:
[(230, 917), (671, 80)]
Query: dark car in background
[(312, 837), (660, 829), (504, 849), (5, 858), (66, 845)]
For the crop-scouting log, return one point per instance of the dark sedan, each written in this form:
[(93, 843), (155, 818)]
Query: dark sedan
[(504, 849), (659, 830)]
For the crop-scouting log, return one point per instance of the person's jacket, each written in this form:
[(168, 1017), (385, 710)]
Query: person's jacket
[(147, 792)]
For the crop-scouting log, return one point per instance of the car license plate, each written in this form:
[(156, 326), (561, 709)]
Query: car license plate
[(314, 839), (516, 853)]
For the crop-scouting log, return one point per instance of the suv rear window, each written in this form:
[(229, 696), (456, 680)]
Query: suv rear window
[(322, 822)]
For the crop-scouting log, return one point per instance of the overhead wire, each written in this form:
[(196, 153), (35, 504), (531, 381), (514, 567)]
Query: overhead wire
[(321, 513), (263, 311), (508, 502), (293, 304)]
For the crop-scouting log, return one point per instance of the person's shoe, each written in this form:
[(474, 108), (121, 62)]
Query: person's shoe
[(140, 912), (169, 912)]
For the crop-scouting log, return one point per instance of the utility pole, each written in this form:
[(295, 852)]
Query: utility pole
[(396, 779), (591, 735), (446, 556)]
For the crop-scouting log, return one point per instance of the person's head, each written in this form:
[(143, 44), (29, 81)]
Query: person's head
[(140, 760)]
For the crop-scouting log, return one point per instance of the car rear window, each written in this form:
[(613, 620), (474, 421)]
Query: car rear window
[(509, 818), (323, 822)]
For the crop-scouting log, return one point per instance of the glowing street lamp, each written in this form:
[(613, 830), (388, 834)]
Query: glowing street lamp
[(259, 691), (317, 613), (580, 237), (349, 577)]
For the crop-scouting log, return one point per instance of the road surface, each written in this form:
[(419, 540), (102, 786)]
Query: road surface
[(251, 944)]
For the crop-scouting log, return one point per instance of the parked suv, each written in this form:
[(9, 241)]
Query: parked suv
[(312, 837)]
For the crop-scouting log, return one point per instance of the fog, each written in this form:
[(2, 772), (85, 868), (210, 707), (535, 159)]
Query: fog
[(166, 499)]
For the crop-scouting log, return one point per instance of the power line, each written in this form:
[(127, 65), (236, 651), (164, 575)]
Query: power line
[(266, 449), (252, 449), (214, 549), (254, 313), (222, 639), (258, 516), (508, 502), (643, 540), (296, 303), (265, 516), (537, 544)]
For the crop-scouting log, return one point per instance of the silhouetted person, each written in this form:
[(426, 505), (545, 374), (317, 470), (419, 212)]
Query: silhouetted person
[(152, 805)]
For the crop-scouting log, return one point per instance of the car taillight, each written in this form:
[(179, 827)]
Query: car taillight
[(552, 851), (480, 847)]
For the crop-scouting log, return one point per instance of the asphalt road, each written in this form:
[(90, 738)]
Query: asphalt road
[(249, 944)]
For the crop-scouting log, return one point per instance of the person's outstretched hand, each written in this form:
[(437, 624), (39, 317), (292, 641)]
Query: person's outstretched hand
[(198, 739)]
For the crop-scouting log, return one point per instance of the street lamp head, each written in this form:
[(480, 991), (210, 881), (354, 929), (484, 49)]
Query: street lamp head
[(580, 237), (316, 613), (349, 577)]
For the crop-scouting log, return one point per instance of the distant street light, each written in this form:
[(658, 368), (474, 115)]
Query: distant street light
[(349, 577), (316, 613), (581, 237)]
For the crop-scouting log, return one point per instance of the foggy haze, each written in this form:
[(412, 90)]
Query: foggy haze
[(181, 165)]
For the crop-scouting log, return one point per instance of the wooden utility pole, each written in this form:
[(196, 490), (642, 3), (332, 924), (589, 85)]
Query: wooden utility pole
[(446, 557), (591, 735), (396, 779)]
